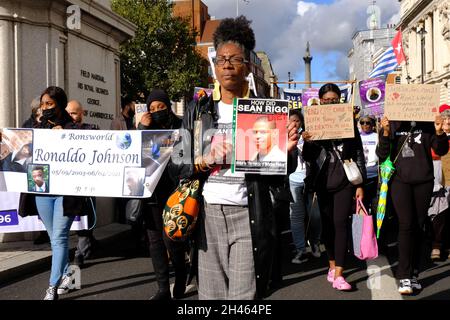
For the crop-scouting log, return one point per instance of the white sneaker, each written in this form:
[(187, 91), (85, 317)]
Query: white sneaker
[(51, 293), (298, 257), (405, 287), (315, 250), (64, 286)]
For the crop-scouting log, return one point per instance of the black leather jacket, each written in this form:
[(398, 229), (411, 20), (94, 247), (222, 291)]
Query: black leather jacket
[(262, 222)]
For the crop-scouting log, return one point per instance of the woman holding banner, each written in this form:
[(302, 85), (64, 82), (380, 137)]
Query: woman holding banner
[(335, 193), (56, 212), (410, 143)]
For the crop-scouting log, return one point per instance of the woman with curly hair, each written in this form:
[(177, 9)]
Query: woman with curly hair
[(237, 231)]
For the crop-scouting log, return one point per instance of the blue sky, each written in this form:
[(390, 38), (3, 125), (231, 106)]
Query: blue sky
[(282, 28)]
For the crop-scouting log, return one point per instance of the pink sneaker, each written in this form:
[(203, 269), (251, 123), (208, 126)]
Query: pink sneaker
[(330, 276), (340, 284)]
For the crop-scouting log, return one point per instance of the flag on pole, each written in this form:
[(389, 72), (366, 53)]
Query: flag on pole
[(397, 44), (386, 64)]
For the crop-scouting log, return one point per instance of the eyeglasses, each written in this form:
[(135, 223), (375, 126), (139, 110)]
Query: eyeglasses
[(365, 122), (234, 61), (329, 101)]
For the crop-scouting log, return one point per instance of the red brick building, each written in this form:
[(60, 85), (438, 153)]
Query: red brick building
[(197, 14)]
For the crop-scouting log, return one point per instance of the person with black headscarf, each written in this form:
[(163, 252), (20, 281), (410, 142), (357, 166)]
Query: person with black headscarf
[(160, 117)]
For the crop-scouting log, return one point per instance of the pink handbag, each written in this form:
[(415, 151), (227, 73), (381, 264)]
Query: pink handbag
[(365, 246)]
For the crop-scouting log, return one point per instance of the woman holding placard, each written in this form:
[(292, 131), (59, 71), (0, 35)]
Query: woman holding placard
[(409, 146), (335, 192)]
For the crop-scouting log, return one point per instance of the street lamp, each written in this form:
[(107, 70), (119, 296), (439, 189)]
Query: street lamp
[(422, 34), (289, 79)]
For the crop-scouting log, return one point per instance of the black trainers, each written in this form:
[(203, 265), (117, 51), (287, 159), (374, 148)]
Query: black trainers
[(415, 283), (51, 293), (162, 296)]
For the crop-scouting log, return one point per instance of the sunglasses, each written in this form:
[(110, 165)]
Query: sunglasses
[(365, 122)]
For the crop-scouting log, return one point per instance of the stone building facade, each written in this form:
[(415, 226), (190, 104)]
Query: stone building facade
[(428, 53)]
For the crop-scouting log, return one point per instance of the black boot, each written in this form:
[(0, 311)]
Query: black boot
[(160, 263)]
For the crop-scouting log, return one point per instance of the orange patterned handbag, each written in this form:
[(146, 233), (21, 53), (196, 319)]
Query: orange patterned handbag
[(181, 210)]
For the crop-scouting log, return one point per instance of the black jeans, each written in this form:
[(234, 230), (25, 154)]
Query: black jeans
[(411, 202), (336, 210), (160, 245)]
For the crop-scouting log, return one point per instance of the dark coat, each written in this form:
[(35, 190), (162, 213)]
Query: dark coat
[(261, 216), (317, 154), (418, 168)]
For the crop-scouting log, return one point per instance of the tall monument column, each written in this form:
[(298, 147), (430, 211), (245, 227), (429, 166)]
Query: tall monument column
[(308, 58)]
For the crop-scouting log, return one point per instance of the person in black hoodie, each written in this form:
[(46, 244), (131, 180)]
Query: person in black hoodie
[(411, 187), (160, 117), (335, 193)]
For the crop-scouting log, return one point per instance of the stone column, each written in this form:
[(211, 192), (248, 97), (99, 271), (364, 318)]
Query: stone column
[(429, 48), (438, 66), (308, 58), (6, 74)]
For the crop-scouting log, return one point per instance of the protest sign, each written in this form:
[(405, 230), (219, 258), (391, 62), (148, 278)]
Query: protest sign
[(294, 97), (140, 110), (407, 102), (260, 136), (334, 121), (446, 170), (372, 92), (97, 163)]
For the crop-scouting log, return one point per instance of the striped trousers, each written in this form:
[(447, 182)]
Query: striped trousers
[(225, 268)]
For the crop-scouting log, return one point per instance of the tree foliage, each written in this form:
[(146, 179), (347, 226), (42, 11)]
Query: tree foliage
[(162, 54)]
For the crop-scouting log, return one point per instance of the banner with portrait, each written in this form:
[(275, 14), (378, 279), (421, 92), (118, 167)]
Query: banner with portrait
[(98, 163), (260, 136), (310, 97), (372, 92)]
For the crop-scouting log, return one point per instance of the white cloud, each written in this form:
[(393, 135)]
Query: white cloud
[(303, 7), (283, 27)]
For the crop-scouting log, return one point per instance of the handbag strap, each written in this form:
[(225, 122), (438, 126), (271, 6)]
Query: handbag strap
[(337, 152), (360, 206)]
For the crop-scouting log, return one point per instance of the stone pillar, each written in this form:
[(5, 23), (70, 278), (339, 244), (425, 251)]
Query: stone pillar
[(6, 74), (437, 45), (429, 48), (308, 58)]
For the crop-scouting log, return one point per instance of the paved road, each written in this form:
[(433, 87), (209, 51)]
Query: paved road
[(120, 273)]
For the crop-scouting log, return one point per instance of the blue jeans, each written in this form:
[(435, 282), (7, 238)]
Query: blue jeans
[(58, 226), (298, 209)]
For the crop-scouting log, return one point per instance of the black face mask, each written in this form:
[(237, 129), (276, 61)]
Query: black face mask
[(161, 117), (49, 114)]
